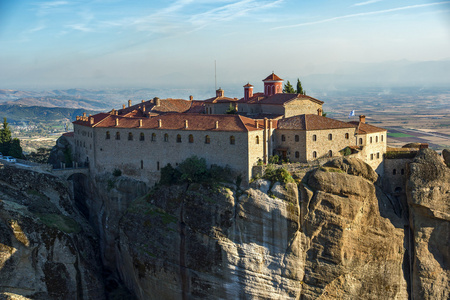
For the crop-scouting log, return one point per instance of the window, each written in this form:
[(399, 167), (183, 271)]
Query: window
[(142, 164), (314, 137), (347, 136), (232, 140), (371, 156), (178, 138), (297, 138), (257, 139), (141, 136), (370, 140), (130, 136), (157, 165), (381, 137), (394, 172), (330, 153), (117, 135), (191, 138), (402, 172), (330, 137), (360, 141), (166, 138), (108, 135), (314, 154), (283, 138), (153, 137), (376, 139), (378, 154), (207, 139), (297, 154)]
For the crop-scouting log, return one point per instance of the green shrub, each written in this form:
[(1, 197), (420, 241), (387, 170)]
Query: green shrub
[(274, 159), (347, 151), (277, 174), (169, 175)]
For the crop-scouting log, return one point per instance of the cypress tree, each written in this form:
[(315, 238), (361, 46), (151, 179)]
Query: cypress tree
[(5, 138), (288, 89), (300, 88), (15, 149)]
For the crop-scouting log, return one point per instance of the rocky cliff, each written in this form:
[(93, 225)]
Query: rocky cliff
[(47, 250)]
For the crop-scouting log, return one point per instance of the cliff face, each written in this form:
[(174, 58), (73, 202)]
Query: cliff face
[(428, 194), (338, 240), (47, 251)]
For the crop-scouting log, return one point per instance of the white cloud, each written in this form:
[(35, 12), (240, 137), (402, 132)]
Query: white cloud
[(378, 12), (366, 2)]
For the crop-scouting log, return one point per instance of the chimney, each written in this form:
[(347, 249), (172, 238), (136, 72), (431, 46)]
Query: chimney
[(191, 97), (362, 119), (91, 120), (78, 118), (217, 124), (159, 123), (185, 123), (142, 101), (248, 91), (84, 115), (123, 106), (117, 121), (320, 112), (157, 101), (113, 112), (140, 122), (220, 93), (256, 124), (143, 108), (129, 103)]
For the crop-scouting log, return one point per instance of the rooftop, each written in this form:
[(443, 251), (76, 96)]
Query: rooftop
[(311, 122), (273, 77)]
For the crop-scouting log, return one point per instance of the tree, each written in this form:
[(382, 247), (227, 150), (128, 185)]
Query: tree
[(5, 138), (231, 110), (15, 149), (300, 88), (288, 89)]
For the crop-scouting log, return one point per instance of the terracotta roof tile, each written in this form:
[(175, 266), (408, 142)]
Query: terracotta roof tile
[(282, 98), (220, 100), (364, 128), (311, 122), (177, 121), (248, 85), (197, 107), (272, 77)]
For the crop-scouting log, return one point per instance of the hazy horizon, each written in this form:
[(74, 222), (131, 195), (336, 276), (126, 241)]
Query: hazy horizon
[(168, 44)]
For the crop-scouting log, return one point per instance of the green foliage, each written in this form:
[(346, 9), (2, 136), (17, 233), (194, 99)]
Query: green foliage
[(277, 175), (61, 222), (346, 151), (68, 157), (117, 173), (324, 114), (300, 88), (231, 110), (288, 89), (15, 150), (194, 169), (274, 159), (9, 146)]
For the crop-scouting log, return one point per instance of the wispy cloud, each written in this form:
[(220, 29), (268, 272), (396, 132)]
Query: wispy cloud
[(45, 8), (366, 2), (378, 12)]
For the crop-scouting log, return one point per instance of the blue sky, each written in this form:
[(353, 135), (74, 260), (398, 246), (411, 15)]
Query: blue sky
[(114, 43)]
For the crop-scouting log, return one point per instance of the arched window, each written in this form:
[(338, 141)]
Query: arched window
[(257, 139), (398, 189), (297, 154), (378, 154), (402, 171), (297, 138), (371, 156), (117, 135), (394, 172), (178, 138), (232, 140), (130, 136), (314, 137), (381, 137), (283, 138), (314, 154), (360, 141), (330, 136), (142, 164), (370, 140), (166, 137), (153, 137), (141, 136), (347, 136), (330, 153), (191, 138), (210, 110), (376, 139), (207, 139), (108, 135)]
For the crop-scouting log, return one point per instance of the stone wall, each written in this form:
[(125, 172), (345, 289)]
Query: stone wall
[(395, 175), (322, 144), (299, 107)]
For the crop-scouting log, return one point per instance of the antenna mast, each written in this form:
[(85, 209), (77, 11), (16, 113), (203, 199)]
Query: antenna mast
[(215, 75)]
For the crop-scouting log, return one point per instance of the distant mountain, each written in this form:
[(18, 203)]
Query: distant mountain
[(60, 101)]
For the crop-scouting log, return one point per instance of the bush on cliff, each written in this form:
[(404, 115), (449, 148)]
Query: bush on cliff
[(277, 175)]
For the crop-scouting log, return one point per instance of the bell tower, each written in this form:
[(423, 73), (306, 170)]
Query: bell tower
[(272, 85)]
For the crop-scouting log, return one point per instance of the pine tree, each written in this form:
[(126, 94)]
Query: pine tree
[(288, 89), (15, 149), (300, 88)]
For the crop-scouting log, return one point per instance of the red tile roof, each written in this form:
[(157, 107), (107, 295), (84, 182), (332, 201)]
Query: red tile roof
[(311, 122), (177, 121), (248, 85), (364, 128), (277, 99), (68, 134), (273, 77), (197, 107), (220, 100)]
